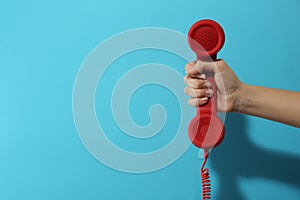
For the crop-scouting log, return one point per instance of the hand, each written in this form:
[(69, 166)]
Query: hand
[(228, 84)]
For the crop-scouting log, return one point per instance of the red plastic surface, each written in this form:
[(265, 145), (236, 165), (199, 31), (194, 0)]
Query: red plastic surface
[(209, 34), (206, 130)]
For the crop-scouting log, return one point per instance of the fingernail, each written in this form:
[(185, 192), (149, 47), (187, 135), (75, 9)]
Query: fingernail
[(188, 69), (207, 84), (204, 99), (209, 92), (202, 76)]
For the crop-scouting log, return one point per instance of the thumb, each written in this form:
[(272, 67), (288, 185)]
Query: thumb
[(200, 67)]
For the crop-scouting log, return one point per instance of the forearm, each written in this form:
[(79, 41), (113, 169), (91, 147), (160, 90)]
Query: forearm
[(278, 105)]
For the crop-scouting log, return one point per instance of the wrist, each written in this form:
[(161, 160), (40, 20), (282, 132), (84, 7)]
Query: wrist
[(241, 99)]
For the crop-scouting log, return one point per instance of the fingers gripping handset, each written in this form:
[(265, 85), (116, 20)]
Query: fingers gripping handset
[(206, 130)]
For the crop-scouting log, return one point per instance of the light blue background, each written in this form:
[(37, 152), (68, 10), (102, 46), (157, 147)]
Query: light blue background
[(42, 45)]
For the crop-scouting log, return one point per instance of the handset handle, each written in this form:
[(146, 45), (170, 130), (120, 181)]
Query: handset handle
[(210, 108)]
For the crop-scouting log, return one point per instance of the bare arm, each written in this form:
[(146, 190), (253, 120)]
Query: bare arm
[(277, 105)]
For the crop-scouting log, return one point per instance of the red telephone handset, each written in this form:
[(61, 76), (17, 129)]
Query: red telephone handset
[(206, 130)]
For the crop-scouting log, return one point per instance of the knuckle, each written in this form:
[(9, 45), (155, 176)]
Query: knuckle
[(186, 89), (195, 93), (192, 92), (188, 66), (185, 79), (193, 102)]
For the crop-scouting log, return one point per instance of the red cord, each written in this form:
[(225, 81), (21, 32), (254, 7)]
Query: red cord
[(206, 185)]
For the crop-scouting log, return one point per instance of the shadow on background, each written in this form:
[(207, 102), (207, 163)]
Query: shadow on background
[(238, 157)]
